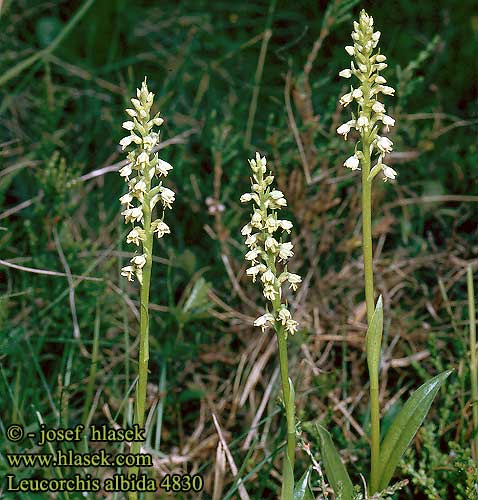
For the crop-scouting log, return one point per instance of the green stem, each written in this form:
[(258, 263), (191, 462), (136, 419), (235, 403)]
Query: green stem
[(370, 303), (288, 401), (473, 360), (139, 416), (375, 435)]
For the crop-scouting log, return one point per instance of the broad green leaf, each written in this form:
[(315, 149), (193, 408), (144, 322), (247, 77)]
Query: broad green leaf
[(405, 426), (334, 468), (374, 340), (302, 489), (287, 490)]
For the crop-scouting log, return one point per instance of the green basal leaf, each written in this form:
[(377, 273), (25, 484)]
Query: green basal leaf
[(302, 489), (374, 340), (287, 490), (405, 426), (334, 468)]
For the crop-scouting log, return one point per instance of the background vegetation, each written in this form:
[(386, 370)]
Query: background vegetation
[(230, 79)]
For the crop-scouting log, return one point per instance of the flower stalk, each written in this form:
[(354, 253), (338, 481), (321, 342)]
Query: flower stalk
[(268, 250), (473, 358), (370, 112), (143, 167)]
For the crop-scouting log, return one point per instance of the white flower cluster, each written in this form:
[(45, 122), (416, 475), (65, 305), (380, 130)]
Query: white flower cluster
[(370, 109), (266, 249), (142, 167)]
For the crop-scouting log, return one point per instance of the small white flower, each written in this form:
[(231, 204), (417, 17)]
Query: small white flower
[(378, 107), (256, 220), (286, 225), (345, 128), (247, 229), (264, 321), (251, 240), (294, 280), (150, 141), (285, 251), (136, 104), (255, 270), (388, 173), (132, 214), (380, 79), (345, 73), (384, 89), (352, 162), (167, 196), (128, 272), (362, 121), (384, 144), (128, 125), (126, 141), (246, 197), (138, 261), (163, 167), (350, 50), (271, 244), (131, 112), (380, 58), (160, 228), (281, 202), (346, 99), (252, 255), (140, 186), (284, 315), (126, 171), (261, 162), (158, 121), (388, 121), (271, 224), (381, 66), (276, 194), (142, 158), (376, 36), (135, 236), (126, 199), (357, 93), (270, 292), (291, 326), (268, 277)]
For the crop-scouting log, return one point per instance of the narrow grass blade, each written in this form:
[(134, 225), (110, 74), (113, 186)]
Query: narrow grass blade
[(405, 426), (27, 62), (334, 468), (302, 489)]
